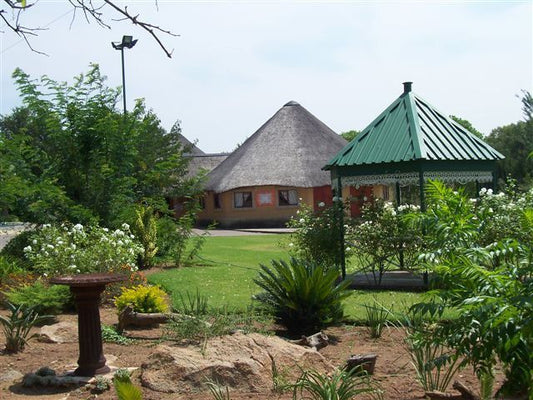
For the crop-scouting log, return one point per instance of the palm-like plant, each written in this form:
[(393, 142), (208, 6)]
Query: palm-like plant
[(18, 324), (303, 296)]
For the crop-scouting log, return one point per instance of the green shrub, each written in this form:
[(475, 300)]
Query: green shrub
[(302, 295), (145, 229), (316, 237), (14, 249), (8, 267), (143, 299), (42, 298), (17, 326), (110, 335), (69, 250)]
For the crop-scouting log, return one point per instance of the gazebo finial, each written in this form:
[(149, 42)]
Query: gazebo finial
[(407, 87)]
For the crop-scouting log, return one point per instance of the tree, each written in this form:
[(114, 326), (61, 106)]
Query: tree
[(527, 105), (467, 125), (515, 142), (350, 135), (91, 10), (72, 148)]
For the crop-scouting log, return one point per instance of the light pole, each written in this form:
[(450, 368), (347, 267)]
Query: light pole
[(128, 42)]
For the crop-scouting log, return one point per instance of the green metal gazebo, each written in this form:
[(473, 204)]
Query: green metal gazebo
[(409, 143)]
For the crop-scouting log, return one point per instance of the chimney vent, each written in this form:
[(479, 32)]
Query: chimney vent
[(407, 87)]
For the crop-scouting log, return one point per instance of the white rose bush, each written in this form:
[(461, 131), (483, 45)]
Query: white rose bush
[(75, 249)]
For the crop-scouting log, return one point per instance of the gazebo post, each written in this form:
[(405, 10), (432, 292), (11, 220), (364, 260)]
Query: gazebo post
[(398, 200), (422, 193), (341, 227)]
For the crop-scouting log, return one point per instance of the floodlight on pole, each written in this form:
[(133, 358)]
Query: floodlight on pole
[(127, 42)]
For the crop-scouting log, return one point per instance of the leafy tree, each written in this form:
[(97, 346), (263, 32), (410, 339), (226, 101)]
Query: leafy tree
[(350, 135), (69, 154), (515, 142), (467, 125)]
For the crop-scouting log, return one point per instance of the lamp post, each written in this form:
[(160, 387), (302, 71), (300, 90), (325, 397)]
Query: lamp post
[(128, 42)]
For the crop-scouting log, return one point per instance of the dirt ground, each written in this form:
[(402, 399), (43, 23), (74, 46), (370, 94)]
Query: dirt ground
[(393, 373)]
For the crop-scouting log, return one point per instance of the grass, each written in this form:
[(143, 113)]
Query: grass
[(227, 266)]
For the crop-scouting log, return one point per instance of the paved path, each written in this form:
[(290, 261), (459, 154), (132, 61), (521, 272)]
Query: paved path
[(243, 232)]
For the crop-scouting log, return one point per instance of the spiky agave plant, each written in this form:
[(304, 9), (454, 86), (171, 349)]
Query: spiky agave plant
[(302, 296)]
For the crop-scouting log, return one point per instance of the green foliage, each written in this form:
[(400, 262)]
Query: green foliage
[(435, 366), (69, 154), (490, 286), (64, 250), (110, 335), (376, 318), (217, 391), (42, 298), (382, 239), (17, 326), (193, 304), (515, 142), (143, 299), (8, 267), (301, 295), (124, 388), (341, 385), (14, 249), (317, 235), (145, 230), (350, 135)]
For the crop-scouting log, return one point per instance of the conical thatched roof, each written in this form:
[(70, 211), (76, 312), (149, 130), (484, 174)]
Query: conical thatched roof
[(189, 148), (288, 150)]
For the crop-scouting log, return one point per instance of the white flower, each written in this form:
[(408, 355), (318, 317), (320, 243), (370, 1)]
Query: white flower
[(34, 241), (489, 192), (72, 266), (120, 242), (365, 198), (49, 246), (321, 204), (302, 220), (483, 191), (78, 227), (125, 226), (348, 249), (73, 245), (27, 249), (291, 244), (46, 226), (105, 229)]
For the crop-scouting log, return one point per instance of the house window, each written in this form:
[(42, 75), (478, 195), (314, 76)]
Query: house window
[(386, 193), (288, 198), (216, 199), (242, 199), (201, 202)]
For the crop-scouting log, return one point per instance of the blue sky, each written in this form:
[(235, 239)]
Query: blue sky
[(236, 63)]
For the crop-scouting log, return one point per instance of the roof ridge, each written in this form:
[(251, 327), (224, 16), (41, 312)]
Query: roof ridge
[(418, 144)]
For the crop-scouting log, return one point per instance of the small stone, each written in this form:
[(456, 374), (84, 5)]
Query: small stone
[(10, 375), (62, 332)]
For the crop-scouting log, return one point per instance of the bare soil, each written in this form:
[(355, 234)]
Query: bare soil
[(394, 372)]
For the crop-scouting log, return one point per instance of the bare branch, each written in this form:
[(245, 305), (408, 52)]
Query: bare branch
[(91, 11)]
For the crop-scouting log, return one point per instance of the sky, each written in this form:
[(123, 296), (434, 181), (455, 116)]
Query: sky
[(235, 63)]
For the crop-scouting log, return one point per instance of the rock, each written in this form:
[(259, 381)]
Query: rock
[(243, 362), (317, 341), (62, 332), (10, 375)]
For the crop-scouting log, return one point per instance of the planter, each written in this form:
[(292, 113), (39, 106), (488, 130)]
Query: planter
[(362, 362)]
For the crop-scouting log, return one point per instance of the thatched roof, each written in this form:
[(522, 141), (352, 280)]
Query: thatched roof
[(288, 150), (189, 148), (205, 162)]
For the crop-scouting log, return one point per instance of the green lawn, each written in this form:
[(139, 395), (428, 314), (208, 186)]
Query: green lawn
[(227, 266)]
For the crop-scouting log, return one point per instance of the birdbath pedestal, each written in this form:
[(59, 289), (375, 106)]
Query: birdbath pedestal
[(86, 289)]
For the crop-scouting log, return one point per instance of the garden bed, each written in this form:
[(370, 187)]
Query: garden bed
[(393, 371)]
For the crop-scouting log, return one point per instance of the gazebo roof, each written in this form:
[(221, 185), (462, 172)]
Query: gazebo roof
[(410, 142), (412, 129)]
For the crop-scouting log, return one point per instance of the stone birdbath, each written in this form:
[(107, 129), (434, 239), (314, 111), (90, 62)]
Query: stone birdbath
[(86, 289)]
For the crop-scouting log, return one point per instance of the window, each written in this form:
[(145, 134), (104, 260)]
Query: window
[(242, 199), (201, 202), (216, 199), (288, 197)]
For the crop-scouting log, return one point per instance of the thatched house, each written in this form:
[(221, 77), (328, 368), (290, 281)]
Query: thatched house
[(263, 181)]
